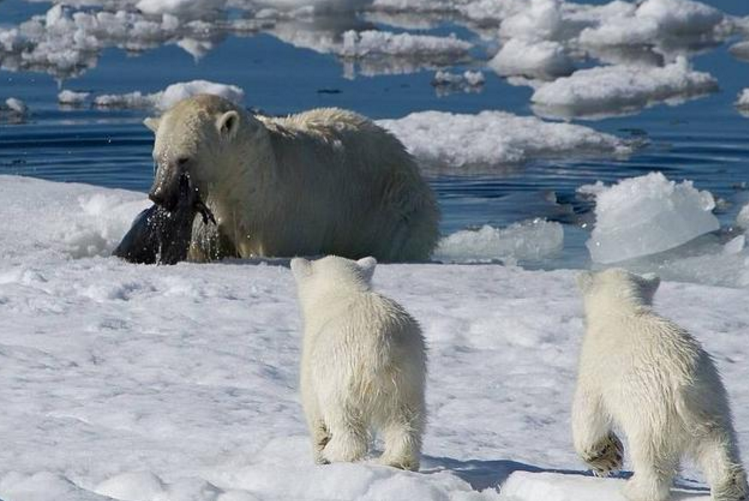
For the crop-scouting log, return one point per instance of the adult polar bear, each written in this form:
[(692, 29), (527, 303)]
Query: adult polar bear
[(326, 181)]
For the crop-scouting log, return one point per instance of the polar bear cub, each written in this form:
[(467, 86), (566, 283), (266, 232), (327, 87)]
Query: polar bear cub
[(646, 375), (363, 364)]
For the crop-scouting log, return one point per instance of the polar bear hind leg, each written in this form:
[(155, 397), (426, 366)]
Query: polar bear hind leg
[(716, 455), (402, 437), (654, 466), (348, 437)]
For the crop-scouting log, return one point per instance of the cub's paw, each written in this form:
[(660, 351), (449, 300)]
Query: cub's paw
[(606, 456)]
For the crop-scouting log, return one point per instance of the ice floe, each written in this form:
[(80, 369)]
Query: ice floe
[(742, 103), (442, 140), (72, 98), (647, 215), (621, 89)]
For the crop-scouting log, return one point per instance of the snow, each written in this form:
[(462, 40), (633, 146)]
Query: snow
[(621, 89), (548, 486), (647, 215), (742, 219), (185, 9), (163, 100), (176, 383), (527, 241), (492, 138)]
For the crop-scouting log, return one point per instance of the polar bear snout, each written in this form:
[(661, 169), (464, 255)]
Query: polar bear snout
[(166, 186)]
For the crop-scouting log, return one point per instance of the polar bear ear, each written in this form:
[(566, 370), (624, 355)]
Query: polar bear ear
[(367, 265), (152, 123), (650, 283), (301, 268), (585, 280), (228, 124)]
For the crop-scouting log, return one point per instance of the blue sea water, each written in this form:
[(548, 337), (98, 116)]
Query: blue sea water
[(705, 140)]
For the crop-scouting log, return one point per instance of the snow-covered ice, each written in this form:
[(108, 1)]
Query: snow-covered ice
[(492, 138), (647, 215), (446, 82), (742, 103), (621, 89), (180, 382)]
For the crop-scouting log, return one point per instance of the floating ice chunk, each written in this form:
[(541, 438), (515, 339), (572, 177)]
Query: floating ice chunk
[(742, 103), (646, 215), (654, 22), (16, 106), (544, 59), (615, 90), (527, 241), (541, 20), (493, 138), (740, 50), (735, 245), (365, 43), (185, 9), (469, 81), (177, 92), (72, 98), (167, 98)]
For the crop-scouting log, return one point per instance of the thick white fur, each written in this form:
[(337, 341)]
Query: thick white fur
[(326, 181), (644, 374), (363, 364)]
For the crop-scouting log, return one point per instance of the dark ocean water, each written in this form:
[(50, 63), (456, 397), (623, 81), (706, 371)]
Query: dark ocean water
[(705, 140)]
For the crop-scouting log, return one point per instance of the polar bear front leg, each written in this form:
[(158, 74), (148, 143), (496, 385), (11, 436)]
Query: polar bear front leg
[(595, 443)]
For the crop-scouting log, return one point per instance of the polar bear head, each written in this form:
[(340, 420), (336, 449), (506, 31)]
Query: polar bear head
[(332, 275), (617, 287), (203, 137)]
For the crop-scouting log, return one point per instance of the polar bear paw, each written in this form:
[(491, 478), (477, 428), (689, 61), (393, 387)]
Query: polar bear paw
[(606, 456)]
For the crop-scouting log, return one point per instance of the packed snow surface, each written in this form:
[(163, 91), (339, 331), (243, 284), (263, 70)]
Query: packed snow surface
[(173, 383), (493, 138), (646, 215), (620, 89)]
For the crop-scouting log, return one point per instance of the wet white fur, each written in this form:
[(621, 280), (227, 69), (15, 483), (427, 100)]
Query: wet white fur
[(326, 181), (363, 364), (646, 375)]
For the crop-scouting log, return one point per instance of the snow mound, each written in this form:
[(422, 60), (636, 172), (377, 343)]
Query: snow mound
[(647, 215), (621, 89), (545, 486), (167, 98), (492, 138), (527, 241), (80, 220)]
